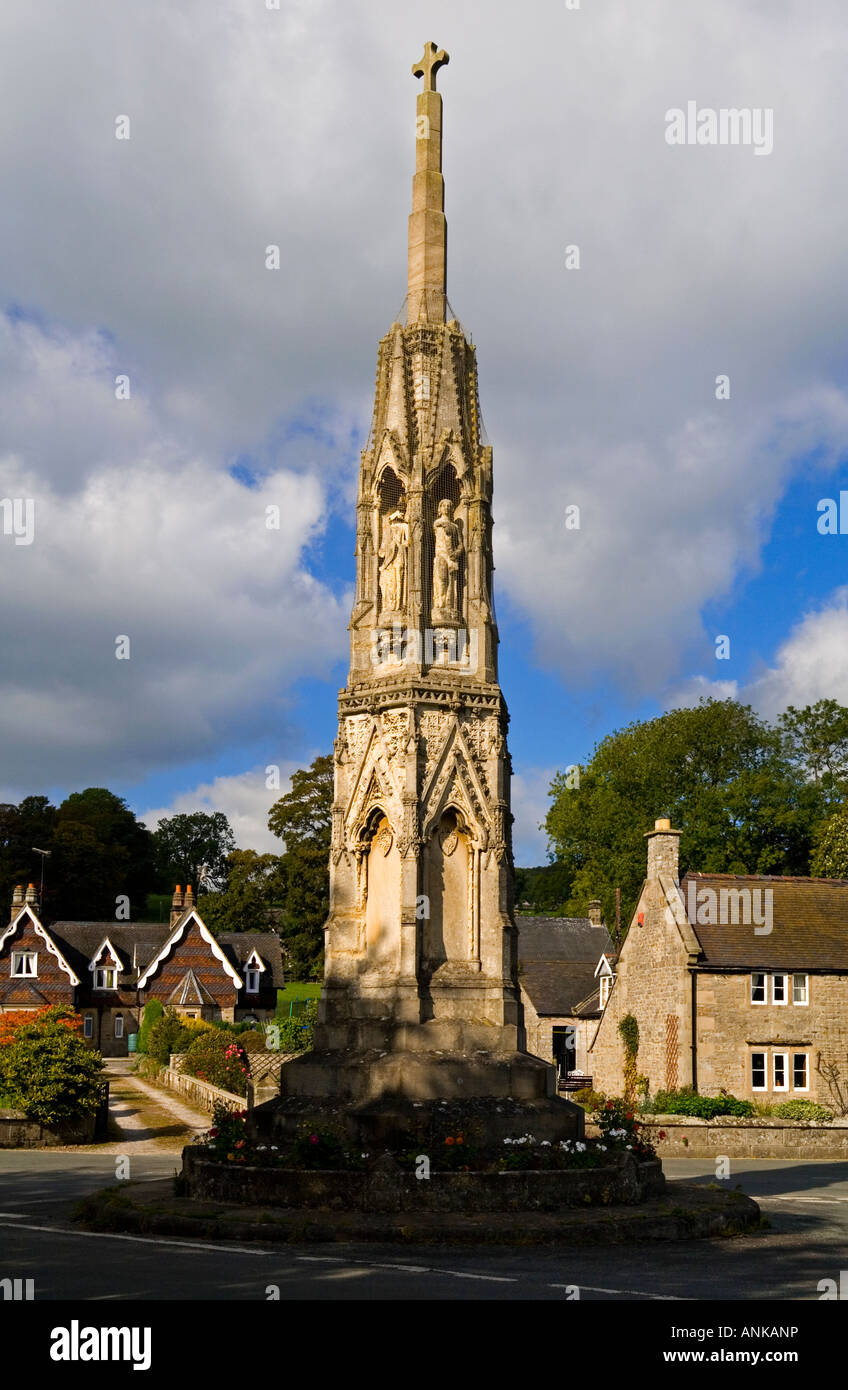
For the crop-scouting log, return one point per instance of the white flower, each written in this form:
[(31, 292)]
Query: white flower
[(628, 1146), (546, 1143)]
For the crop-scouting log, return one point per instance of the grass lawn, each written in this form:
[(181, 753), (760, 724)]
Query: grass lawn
[(311, 989)]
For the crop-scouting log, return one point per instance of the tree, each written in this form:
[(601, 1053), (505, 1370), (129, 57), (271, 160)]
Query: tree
[(100, 852), (830, 855), (193, 849), (816, 740), (30, 823), (48, 1071), (302, 818), (719, 772), (254, 887)]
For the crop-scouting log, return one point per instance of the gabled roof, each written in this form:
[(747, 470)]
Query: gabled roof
[(21, 992), (190, 991), (557, 958), (179, 931), (241, 945), (809, 923), (52, 944), (81, 940)]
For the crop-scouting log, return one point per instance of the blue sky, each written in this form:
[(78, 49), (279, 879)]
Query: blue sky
[(252, 388)]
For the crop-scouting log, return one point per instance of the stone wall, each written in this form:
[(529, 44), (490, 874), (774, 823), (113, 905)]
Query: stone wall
[(199, 1092), (730, 1028), (625, 1183), (652, 984), (17, 1131), (686, 1137)]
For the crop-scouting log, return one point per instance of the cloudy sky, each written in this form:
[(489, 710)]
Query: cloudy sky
[(144, 258)]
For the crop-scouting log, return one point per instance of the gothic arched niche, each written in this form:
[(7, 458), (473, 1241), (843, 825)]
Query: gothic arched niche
[(382, 893), (445, 545), (446, 935), (392, 544)]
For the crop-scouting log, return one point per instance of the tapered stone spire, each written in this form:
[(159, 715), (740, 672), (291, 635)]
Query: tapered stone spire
[(421, 994), (428, 228)]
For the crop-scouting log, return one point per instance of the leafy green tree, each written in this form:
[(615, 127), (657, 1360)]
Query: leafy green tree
[(544, 889), (48, 1071), (302, 819), (31, 822), (254, 887), (153, 1011), (816, 740), (193, 848), (830, 855), (100, 852), (718, 771)]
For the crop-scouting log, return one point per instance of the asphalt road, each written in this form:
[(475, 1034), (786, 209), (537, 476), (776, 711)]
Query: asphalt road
[(807, 1204)]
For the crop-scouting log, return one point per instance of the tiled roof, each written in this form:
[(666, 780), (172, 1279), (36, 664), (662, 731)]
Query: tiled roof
[(189, 991), (557, 959), (809, 918), (21, 992), (240, 945), (79, 940)]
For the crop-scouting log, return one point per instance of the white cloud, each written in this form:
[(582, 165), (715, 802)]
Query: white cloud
[(811, 665), (245, 801)]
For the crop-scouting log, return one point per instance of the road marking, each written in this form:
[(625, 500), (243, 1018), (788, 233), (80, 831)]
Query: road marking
[(147, 1240), (797, 1197), (405, 1269), (631, 1293)]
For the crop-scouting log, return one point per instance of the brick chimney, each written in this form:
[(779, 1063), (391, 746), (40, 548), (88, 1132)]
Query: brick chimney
[(176, 905), (32, 897), (594, 912), (663, 846), (17, 900)]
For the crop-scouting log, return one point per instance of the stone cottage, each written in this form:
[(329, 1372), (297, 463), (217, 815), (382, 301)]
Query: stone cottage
[(736, 982), (108, 971), (564, 965)]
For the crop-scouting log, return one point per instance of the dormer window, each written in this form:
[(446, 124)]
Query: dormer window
[(605, 984), (25, 964), (251, 981), (106, 977)]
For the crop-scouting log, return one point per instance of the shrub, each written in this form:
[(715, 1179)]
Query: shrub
[(803, 1110), (153, 1011), (48, 1071), (218, 1059), (252, 1040), (620, 1128), (168, 1035), (589, 1099), (688, 1102)]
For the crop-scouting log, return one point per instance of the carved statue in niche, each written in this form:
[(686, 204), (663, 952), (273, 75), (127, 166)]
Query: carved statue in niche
[(449, 549), (393, 554)]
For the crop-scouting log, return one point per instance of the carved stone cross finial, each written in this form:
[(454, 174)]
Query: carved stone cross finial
[(434, 58)]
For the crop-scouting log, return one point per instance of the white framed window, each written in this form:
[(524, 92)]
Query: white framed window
[(780, 1071), (251, 981), (758, 989), (105, 977), (800, 989), (88, 1026), (800, 1072), (779, 994), (605, 987), (119, 1025), (758, 1071), (25, 964)]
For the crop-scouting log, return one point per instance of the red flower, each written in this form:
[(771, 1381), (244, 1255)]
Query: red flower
[(239, 1143), (449, 1139), (313, 1138)]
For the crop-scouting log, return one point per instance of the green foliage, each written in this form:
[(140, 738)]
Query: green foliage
[(255, 884), (302, 819), (228, 1138), (629, 1031), (816, 740), (589, 1099), (153, 1011), (830, 856), (218, 1059), (48, 1071), (687, 1102), (169, 1034), (620, 1129), (543, 890), (296, 1034), (193, 849), (722, 775), (803, 1110)]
